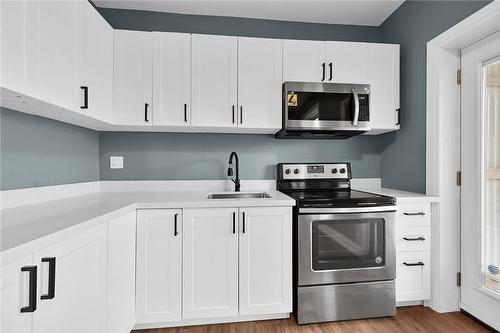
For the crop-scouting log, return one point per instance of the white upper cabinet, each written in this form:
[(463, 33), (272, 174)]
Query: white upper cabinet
[(98, 66), (210, 263), (213, 81), (171, 78), (304, 61), (383, 77), (133, 58), (346, 62), (19, 46), (61, 42), (259, 82)]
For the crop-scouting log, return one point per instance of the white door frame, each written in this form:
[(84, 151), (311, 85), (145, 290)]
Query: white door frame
[(443, 148)]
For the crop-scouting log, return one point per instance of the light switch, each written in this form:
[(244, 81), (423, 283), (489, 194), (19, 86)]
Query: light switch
[(116, 162)]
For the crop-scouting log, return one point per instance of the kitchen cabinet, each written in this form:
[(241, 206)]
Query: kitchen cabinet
[(214, 81), (210, 263), (61, 49), (346, 62), (159, 265), (97, 78), (14, 295), (133, 57), (265, 260), (171, 78), (259, 83), (383, 77), (78, 303), (413, 276), (304, 61), (121, 273)]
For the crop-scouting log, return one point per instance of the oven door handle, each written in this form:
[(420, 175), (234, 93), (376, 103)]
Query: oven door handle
[(347, 210), (355, 118)]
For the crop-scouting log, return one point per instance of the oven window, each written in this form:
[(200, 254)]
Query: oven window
[(343, 244)]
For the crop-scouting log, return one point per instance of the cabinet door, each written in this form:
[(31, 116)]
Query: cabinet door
[(304, 61), (383, 77), (19, 49), (133, 58), (265, 260), (171, 78), (14, 295), (79, 300), (413, 276), (259, 83), (121, 273), (159, 260), (61, 41), (346, 62), (210, 263), (98, 65), (214, 81)]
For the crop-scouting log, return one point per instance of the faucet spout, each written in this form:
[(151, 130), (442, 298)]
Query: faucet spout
[(236, 180)]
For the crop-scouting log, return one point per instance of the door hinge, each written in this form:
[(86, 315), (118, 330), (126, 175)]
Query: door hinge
[(459, 279), (459, 76), (459, 178)]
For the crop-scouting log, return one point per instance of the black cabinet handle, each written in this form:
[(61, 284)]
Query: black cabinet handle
[(243, 222), (323, 66), (241, 114), (414, 239), (415, 214), (234, 223), (175, 225), (185, 113), (399, 116), (233, 114), (85, 97), (331, 70), (52, 278), (414, 263), (146, 105), (32, 288)]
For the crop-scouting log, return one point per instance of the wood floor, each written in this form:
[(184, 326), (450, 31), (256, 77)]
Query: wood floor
[(408, 319)]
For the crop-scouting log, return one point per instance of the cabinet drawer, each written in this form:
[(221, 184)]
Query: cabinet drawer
[(413, 215), (413, 276), (413, 239)]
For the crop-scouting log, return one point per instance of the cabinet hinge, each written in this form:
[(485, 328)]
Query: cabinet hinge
[(459, 76), (459, 279), (459, 178)]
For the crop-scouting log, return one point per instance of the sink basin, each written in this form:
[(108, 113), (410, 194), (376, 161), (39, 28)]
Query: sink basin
[(239, 195)]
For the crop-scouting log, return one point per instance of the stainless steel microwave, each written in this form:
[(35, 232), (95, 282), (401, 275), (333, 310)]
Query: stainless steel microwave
[(325, 110)]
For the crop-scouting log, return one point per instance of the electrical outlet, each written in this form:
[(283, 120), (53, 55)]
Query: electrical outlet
[(116, 162)]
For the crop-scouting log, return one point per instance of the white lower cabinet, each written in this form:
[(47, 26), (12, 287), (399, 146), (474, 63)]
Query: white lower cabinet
[(159, 264), (121, 273), (413, 280)]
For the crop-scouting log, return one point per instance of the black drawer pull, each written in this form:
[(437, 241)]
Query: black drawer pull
[(414, 263), (415, 214), (414, 239), (331, 70), (234, 223), (85, 97), (243, 214), (323, 66), (52, 278), (185, 113), (32, 288), (241, 114), (233, 114), (146, 112), (175, 225), (399, 117)]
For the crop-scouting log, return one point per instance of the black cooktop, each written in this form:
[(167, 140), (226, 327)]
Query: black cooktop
[(339, 198)]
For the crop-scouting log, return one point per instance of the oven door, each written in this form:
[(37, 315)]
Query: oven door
[(343, 245)]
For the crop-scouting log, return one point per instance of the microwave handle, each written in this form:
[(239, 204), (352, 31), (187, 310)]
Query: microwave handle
[(356, 108)]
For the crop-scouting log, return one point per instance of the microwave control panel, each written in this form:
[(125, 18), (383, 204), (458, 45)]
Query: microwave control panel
[(364, 107)]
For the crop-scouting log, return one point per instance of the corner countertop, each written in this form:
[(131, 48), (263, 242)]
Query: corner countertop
[(401, 196), (35, 226)]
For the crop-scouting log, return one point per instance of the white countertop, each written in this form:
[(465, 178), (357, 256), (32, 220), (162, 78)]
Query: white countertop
[(401, 196)]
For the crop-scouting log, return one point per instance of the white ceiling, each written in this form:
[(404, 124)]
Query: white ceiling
[(357, 12)]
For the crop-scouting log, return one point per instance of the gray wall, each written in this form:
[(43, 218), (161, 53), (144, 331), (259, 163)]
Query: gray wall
[(412, 25), (38, 152)]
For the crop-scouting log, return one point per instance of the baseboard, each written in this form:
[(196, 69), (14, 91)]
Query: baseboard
[(409, 303)]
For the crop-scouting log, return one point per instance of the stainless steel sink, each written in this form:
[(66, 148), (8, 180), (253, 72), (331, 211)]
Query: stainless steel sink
[(239, 195)]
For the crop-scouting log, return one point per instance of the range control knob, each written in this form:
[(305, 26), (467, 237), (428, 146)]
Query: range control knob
[(287, 171), (296, 171), (342, 170), (334, 170)]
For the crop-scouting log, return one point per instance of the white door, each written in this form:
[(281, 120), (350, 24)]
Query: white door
[(19, 49), (304, 61), (383, 77), (121, 273), (210, 263), (14, 296), (61, 40), (259, 83), (133, 77), (265, 260), (98, 65), (78, 303), (171, 78), (159, 265), (346, 62), (480, 191), (213, 81)]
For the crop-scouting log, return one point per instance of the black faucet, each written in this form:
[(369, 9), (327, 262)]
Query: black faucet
[(230, 171)]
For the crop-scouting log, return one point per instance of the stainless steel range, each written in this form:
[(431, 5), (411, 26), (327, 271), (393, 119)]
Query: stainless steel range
[(344, 245)]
